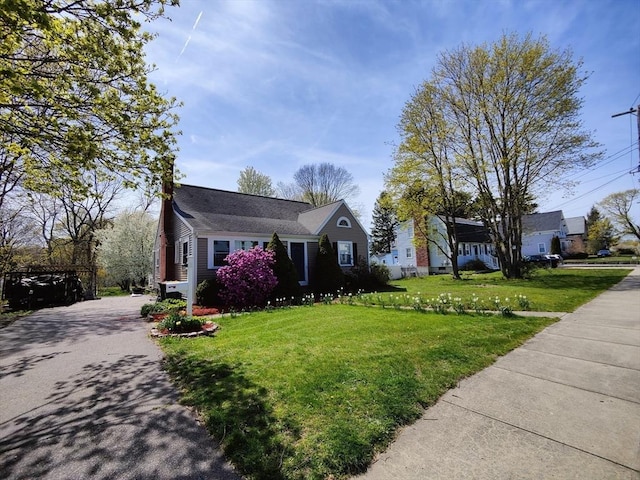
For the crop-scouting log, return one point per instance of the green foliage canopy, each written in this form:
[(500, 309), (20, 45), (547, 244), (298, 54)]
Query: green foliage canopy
[(75, 97), (502, 120)]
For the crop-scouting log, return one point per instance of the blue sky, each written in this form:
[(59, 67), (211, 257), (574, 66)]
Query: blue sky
[(277, 84)]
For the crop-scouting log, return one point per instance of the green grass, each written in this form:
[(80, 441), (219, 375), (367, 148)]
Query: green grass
[(612, 260), (548, 290), (311, 392), (315, 392), (112, 292)]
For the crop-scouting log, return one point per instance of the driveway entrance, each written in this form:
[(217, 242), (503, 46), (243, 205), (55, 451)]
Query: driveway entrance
[(83, 395)]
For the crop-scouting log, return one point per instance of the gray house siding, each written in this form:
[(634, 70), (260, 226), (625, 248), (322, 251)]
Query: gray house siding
[(181, 233), (202, 268), (201, 216), (352, 233)]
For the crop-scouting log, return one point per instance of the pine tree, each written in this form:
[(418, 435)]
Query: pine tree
[(384, 225), (288, 285), (329, 278)]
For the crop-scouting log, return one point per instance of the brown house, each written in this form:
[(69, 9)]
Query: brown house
[(200, 226)]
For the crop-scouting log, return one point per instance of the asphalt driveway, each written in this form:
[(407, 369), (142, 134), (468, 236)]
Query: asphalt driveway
[(83, 395)]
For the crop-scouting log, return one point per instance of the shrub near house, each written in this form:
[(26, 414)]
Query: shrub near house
[(248, 279)]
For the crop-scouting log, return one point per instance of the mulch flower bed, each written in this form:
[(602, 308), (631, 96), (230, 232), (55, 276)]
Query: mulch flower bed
[(208, 328)]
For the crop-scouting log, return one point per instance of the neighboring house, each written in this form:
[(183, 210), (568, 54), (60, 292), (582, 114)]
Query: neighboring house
[(474, 243), (201, 226), (413, 255), (539, 228), (577, 235), (423, 258)]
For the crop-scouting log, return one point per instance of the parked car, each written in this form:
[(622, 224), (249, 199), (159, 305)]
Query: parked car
[(550, 260), (604, 253), (534, 259)]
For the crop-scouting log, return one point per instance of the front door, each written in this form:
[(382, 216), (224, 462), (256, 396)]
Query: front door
[(298, 257)]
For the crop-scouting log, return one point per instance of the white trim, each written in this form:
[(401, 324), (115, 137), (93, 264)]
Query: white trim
[(349, 263), (345, 220)]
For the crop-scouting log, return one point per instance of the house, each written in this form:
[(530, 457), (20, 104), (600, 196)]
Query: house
[(424, 258), (538, 229), (577, 235), (200, 226)]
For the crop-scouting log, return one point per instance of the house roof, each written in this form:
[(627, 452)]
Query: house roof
[(542, 222), (211, 210), (472, 232), (576, 225), (316, 218)]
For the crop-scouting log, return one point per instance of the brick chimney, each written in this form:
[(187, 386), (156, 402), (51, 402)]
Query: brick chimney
[(166, 229)]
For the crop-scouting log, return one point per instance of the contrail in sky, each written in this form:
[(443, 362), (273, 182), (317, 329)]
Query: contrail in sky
[(195, 25)]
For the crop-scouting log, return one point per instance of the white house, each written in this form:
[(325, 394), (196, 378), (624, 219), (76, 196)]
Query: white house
[(538, 229), (422, 258)]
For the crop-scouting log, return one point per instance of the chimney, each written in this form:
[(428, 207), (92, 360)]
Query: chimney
[(167, 240)]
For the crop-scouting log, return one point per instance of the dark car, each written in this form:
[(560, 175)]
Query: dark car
[(604, 253), (548, 260), (534, 259)]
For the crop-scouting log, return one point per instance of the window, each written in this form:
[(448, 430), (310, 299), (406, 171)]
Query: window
[(181, 251), (220, 252), (542, 248), (409, 252), (344, 222), (345, 254), (245, 244), (185, 252)]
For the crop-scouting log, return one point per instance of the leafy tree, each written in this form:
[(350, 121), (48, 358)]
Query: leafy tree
[(594, 219), (320, 184), (255, 183), (504, 118), (329, 277), (385, 222), (618, 206), (601, 235), (285, 271), (248, 279), (125, 248), (75, 97)]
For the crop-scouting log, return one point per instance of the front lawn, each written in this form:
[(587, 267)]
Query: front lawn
[(311, 392), (548, 289), (314, 392)]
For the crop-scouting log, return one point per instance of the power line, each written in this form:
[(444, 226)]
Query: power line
[(589, 192)]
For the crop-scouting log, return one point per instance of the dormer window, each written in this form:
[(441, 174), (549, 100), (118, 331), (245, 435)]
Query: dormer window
[(344, 222)]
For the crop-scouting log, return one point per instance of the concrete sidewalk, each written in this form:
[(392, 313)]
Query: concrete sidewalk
[(565, 405)]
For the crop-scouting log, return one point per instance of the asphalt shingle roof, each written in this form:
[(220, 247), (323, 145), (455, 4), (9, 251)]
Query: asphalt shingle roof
[(576, 225), (542, 222), (212, 210)]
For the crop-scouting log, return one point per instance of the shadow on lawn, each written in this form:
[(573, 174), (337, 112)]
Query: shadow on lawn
[(236, 413)]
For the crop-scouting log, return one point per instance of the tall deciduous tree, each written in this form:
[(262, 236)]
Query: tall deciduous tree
[(385, 223), (255, 183), (75, 97), (320, 184), (618, 206), (508, 119)]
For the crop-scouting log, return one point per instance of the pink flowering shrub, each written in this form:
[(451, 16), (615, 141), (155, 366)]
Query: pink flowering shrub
[(248, 279)]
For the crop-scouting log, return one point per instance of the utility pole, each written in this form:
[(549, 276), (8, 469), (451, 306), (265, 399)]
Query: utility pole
[(631, 111)]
